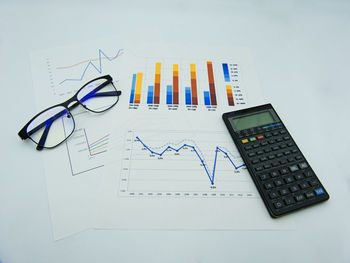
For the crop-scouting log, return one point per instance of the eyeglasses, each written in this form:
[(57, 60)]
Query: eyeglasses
[(54, 125)]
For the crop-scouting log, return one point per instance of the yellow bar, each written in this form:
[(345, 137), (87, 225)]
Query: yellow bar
[(175, 70), (228, 89), (158, 67), (138, 87), (193, 67)]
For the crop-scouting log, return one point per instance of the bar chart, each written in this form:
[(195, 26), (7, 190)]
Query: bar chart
[(200, 83)]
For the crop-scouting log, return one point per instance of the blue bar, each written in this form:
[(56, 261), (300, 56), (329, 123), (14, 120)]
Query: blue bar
[(226, 73), (132, 94), (150, 94), (206, 98), (188, 95), (169, 94)]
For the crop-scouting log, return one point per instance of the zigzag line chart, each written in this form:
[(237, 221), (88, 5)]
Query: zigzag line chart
[(188, 165), (90, 64)]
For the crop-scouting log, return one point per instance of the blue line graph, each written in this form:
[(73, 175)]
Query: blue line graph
[(218, 149), (97, 68)]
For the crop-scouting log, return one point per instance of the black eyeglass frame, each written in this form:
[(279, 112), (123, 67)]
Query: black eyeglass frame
[(23, 134)]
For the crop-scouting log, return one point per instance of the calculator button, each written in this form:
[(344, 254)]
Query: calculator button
[(283, 161), (283, 171), (286, 138), (303, 165), (255, 161), (259, 152), (244, 141), (278, 204), (278, 182), (293, 168), (259, 168), (310, 195), (255, 145), (304, 185), (263, 159), (251, 154), (289, 201), (294, 188), (298, 157), (319, 191), (298, 176), (274, 174), (268, 186), (287, 153), (267, 150), (282, 132), (263, 143), (289, 179), (271, 141), (248, 147), (313, 182), (263, 177), (271, 157), (267, 166), (275, 133), (268, 134), (290, 144), (275, 164), (284, 191), (290, 159), (252, 139), (275, 148), (308, 173), (260, 137), (279, 139), (279, 155), (299, 197), (273, 195), (283, 146)]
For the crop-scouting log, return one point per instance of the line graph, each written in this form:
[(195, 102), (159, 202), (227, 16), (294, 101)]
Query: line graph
[(153, 165), (99, 146), (90, 64), (211, 178), (84, 156)]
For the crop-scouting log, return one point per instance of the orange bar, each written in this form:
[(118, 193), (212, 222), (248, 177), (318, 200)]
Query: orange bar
[(211, 83), (193, 84), (175, 84), (229, 95), (157, 83)]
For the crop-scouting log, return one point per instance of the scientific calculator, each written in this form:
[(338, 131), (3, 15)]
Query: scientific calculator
[(282, 175)]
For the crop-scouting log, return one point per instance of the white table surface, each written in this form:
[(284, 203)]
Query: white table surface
[(301, 51)]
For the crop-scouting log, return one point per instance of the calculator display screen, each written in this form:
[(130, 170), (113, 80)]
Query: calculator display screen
[(253, 120)]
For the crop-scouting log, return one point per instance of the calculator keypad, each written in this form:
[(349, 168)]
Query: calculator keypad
[(283, 176)]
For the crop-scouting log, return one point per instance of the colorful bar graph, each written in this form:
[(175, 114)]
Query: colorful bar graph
[(226, 73), (157, 83), (206, 98), (188, 95), (193, 84), (132, 94), (175, 83), (169, 94), (230, 95), (211, 84), (138, 88), (150, 95)]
